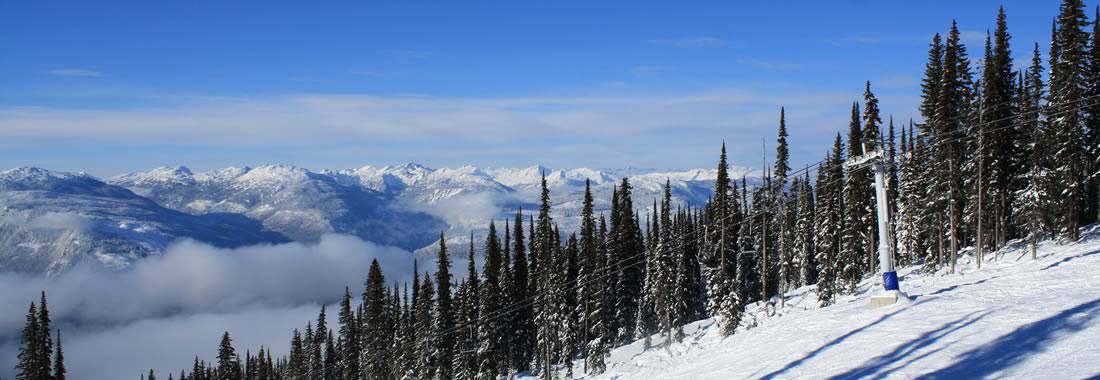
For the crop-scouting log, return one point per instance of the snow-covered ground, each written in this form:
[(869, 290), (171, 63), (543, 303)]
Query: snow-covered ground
[(1014, 318)]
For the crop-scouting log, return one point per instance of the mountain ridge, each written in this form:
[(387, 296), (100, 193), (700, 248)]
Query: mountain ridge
[(403, 205)]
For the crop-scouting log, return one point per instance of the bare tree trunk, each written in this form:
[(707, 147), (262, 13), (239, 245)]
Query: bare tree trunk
[(979, 243), (954, 241), (939, 247)]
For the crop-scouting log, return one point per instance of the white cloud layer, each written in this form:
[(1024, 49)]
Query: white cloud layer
[(169, 308)]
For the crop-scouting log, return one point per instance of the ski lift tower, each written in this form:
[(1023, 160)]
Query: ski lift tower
[(877, 163)]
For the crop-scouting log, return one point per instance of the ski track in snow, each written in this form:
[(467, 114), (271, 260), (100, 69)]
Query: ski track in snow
[(1014, 318)]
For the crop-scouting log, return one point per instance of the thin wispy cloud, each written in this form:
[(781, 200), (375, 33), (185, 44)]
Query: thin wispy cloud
[(366, 73), (75, 73), (691, 42), (770, 65), (649, 71), (973, 38), (469, 129), (852, 41), (873, 40), (321, 118), (896, 81), (407, 54)]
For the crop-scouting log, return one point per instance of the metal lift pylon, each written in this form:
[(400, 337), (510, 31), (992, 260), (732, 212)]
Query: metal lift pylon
[(876, 162)]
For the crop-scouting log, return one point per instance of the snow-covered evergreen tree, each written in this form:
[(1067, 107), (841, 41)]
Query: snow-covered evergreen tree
[(491, 354), (1065, 113), (444, 313), (829, 219)]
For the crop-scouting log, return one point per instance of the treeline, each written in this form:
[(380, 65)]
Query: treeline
[(1000, 153)]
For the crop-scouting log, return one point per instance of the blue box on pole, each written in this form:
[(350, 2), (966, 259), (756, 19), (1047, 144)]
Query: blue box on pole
[(890, 280)]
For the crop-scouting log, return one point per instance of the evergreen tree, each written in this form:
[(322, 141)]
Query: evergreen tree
[(647, 319), (952, 110), (1000, 95), (689, 276), (296, 362), (599, 313), (724, 295), (746, 279), (427, 353), (908, 208), (762, 234), (829, 219), (928, 198), (332, 360), (522, 339), (465, 357), (932, 83), (564, 280), (871, 137), (892, 182), (590, 282), (44, 347), (406, 343), (664, 263), (229, 366), (444, 315), (629, 255), (491, 354), (375, 348), (28, 364), (349, 343), (720, 260), (466, 320), (197, 370), (1033, 200), (317, 355), (785, 221), (805, 233), (59, 370), (1091, 208), (782, 154), (856, 241), (1068, 86)]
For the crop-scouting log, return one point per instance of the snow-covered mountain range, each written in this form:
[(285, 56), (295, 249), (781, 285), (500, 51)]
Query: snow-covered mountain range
[(51, 220)]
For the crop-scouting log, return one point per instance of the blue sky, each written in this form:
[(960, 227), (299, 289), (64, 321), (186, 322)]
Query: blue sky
[(110, 87)]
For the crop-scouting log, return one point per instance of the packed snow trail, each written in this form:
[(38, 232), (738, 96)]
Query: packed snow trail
[(1016, 317)]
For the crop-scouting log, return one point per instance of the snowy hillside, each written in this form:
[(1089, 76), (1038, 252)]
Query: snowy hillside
[(1014, 318), (50, 220)]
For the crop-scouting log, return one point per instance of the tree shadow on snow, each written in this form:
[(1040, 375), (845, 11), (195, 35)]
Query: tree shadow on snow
[(837, 341), (1012, 348), (953, 287), (883, 365), (1071, 258)]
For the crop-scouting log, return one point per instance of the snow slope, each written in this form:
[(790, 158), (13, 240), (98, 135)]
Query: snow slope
[(1014, 318)]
